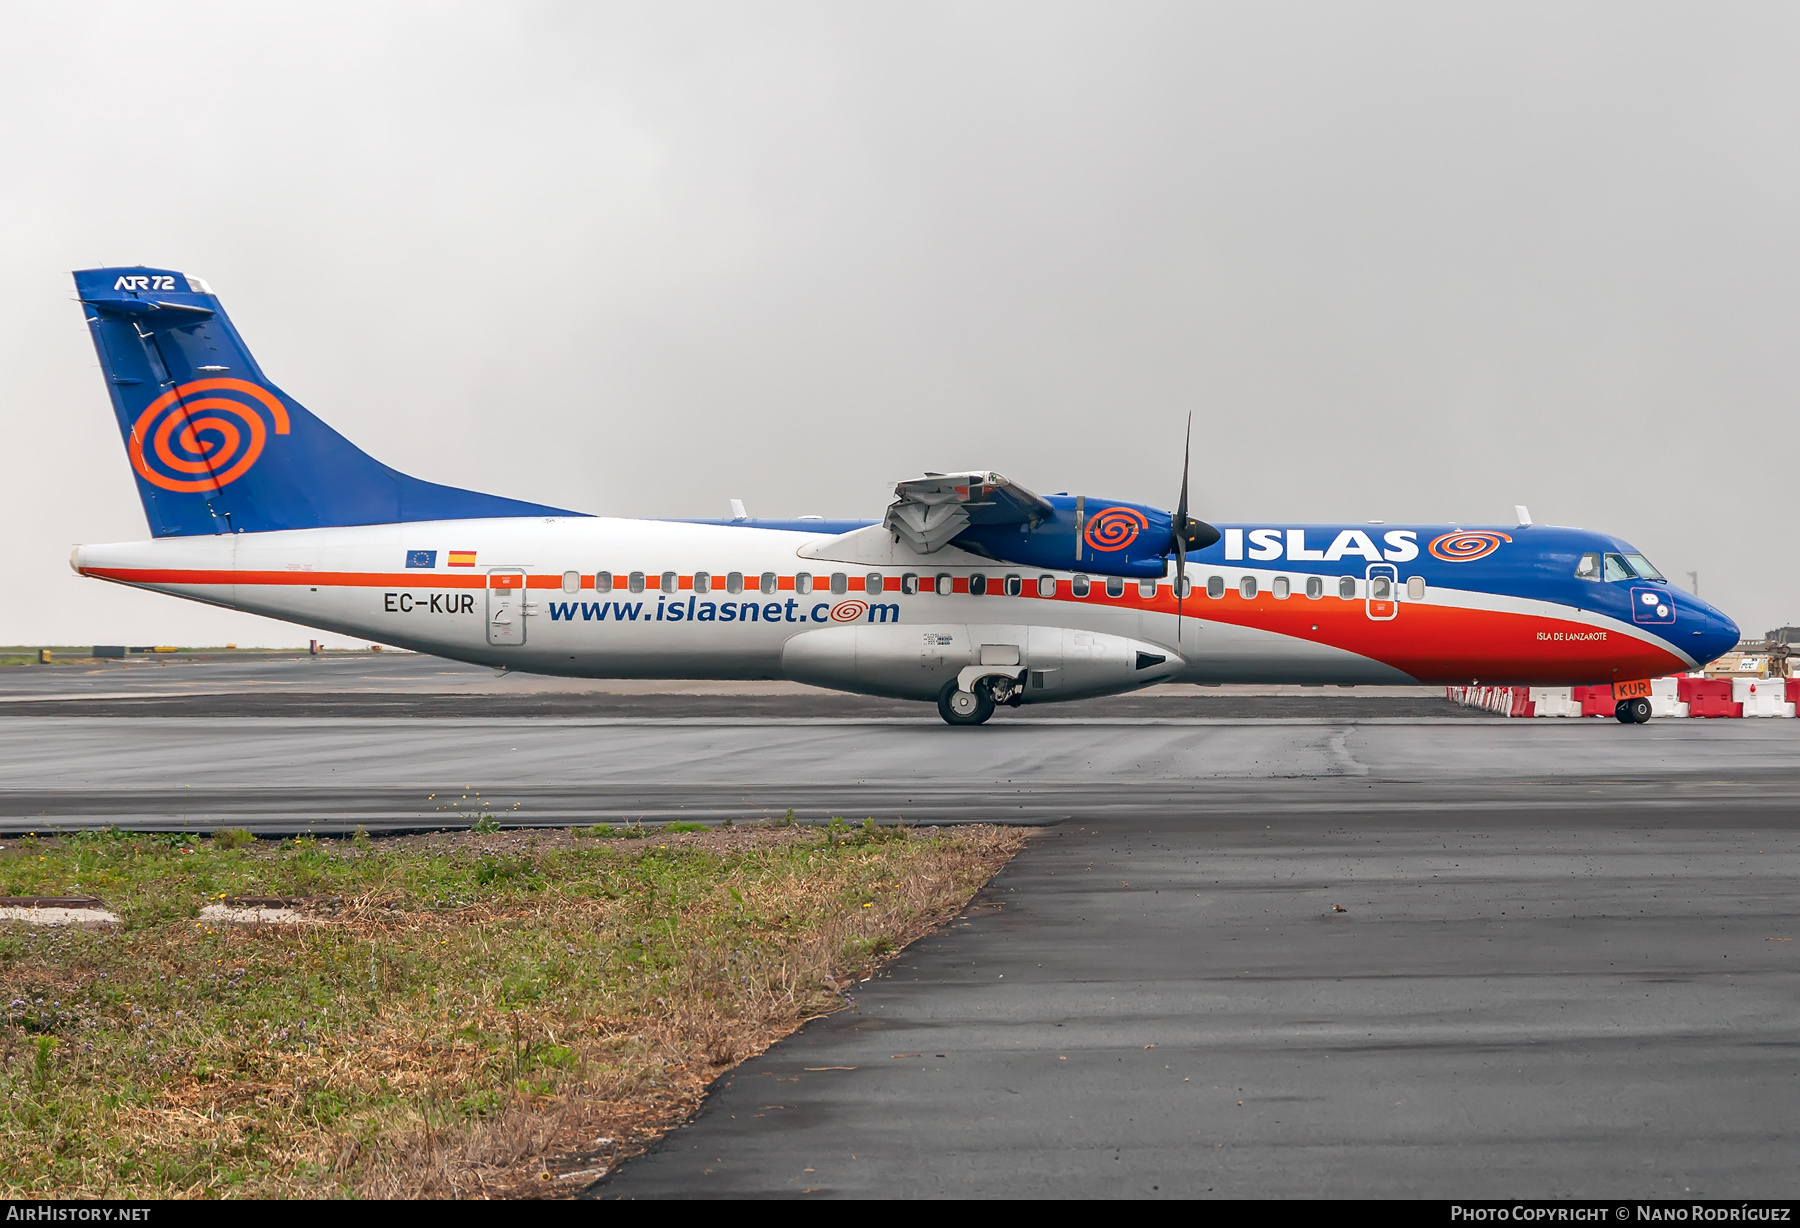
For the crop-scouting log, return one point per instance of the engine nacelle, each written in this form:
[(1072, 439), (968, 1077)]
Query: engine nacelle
[(914, 662), (1106, 537)]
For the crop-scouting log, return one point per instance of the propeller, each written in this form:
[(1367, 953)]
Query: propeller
[(1185, 532)]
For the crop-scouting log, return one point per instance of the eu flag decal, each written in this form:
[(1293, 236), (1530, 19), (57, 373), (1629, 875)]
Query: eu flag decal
[(421, 558)]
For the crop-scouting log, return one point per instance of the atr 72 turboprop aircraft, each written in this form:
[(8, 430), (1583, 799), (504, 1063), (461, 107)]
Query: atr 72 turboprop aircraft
[(972, 591)]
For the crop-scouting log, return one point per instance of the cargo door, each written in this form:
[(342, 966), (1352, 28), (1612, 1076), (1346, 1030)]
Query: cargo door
[(506, 607)]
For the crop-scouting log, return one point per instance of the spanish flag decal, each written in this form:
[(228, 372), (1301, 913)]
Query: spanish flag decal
[(462, 558)]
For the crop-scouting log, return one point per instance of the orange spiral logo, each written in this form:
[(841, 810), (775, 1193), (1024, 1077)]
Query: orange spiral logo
[(849, 611), (1115, 528), (193, 443), (1461, 547)]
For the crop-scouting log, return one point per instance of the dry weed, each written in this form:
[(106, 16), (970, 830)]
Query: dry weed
[(481, 1015)]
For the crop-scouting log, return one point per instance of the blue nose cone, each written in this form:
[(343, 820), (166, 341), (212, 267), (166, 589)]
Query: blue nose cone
[(1717, 633)]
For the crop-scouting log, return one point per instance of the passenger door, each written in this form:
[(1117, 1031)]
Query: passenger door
[(506, 607), (1383, 599)]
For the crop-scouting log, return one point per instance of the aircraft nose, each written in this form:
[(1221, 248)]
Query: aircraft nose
[(1718, 636)]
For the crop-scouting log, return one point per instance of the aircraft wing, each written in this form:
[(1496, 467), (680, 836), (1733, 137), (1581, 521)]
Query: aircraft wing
[(927, 512)]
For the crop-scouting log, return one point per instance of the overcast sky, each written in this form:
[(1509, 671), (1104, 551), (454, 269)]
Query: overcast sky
[(1402, 261)]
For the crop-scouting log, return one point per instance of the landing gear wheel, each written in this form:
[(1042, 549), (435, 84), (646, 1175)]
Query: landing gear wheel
[(965, 707), (1632, 711)]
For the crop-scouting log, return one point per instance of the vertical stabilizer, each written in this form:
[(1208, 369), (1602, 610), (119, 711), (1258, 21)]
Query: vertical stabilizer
[(214, 446)]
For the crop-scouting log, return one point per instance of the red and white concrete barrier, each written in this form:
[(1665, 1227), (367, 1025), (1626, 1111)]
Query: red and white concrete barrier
[(1764, 696), (1506, 700), (1679, 696)]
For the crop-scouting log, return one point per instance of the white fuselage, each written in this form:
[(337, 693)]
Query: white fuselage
[(532, 594)]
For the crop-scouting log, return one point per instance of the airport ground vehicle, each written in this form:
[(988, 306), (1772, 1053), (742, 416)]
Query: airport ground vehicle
[(973, 591)]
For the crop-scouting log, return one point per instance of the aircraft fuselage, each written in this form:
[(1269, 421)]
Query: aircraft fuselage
[(605, 597)]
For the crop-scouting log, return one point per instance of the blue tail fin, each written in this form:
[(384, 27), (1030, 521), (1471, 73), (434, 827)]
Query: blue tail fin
[(217, 448)]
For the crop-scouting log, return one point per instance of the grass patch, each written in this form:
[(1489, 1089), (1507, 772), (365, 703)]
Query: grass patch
[(465, 1015)]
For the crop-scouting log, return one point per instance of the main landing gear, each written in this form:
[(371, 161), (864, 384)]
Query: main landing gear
[(1632, 711), (965, 707), (975, 705)]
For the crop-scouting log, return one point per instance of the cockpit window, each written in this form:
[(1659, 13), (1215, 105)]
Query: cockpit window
[(1589, 567), (1641, 565), (1618, 569)]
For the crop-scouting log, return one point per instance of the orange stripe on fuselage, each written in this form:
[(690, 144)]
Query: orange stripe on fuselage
[(336, 579)]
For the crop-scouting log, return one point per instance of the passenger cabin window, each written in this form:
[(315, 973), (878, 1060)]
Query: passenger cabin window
[(872, 584), (909, 583), (1281, 588), (571, 581), (1184, 587), (1347, 587), (1046, 586), (703, 581), (1589, 567), (1315, 588), (978, 584), (1247, 587), (1080, 586), (637, 582), (1381, 587), (803, 582), (1415, 588), (946, 584), (668, 581), (840, 583), (1641, 565), (734, 581), (1115, 586), (1146, 589), (603, 581), (1014, 586), (767, 582), (1215, 587), (1618, 569)]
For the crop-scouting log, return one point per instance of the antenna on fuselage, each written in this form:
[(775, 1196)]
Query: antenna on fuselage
[(1522, 512), (737, 510)]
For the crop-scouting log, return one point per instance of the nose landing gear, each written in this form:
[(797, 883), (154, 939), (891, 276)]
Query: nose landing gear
[(1632, 711)]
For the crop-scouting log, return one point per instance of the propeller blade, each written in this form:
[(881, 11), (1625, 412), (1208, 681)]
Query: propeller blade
[(1187, 448), (1181, 525), (1180, 582), (1186, 533)]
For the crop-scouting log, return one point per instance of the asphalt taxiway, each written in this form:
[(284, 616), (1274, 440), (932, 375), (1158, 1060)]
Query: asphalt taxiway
[(1519, 1001), (224, 686), (401, 742), (281, 776)]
